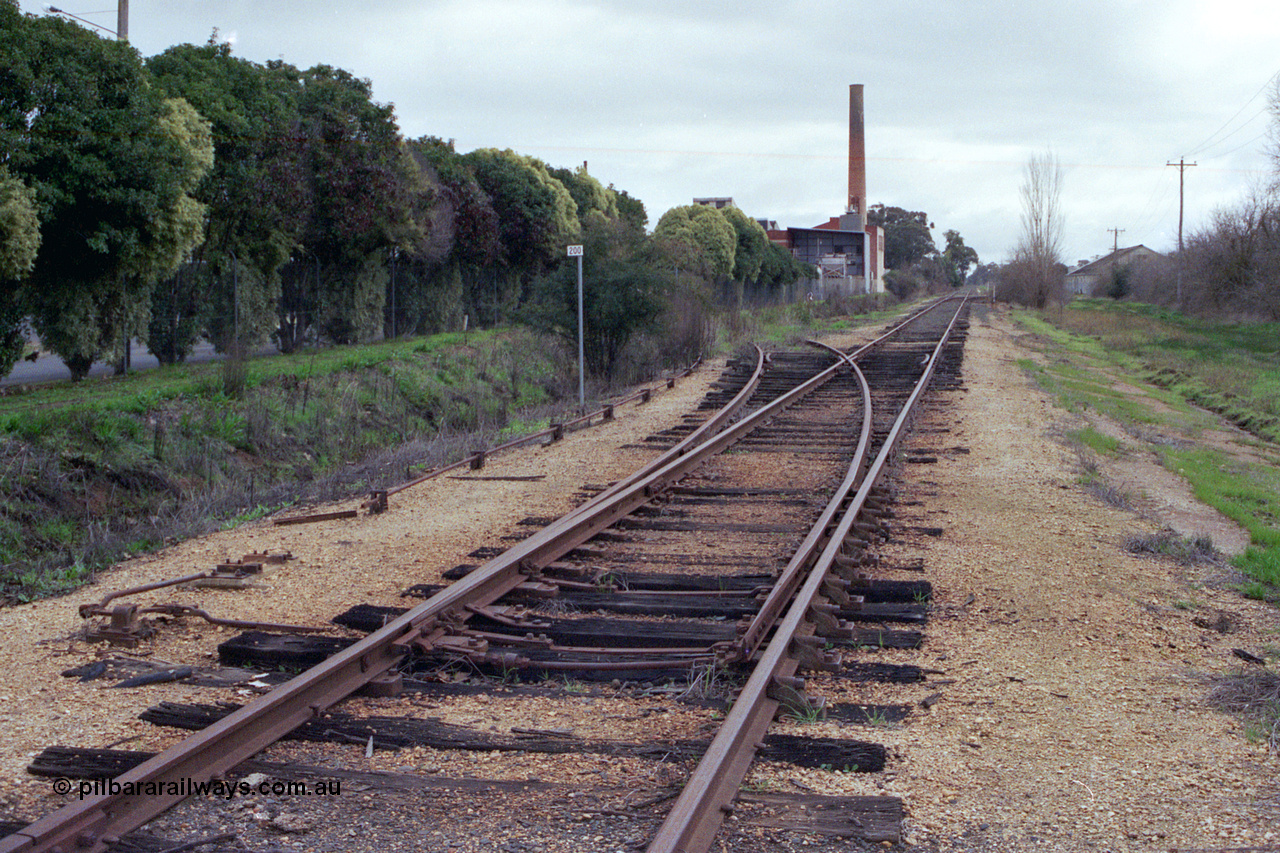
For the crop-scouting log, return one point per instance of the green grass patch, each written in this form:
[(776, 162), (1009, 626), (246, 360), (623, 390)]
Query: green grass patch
[(519, 427), (1262, 564), (36, 584), (1029, 366), (1231, 368), (1249, 495), (252, 514), (104, 469), (1104, 445)]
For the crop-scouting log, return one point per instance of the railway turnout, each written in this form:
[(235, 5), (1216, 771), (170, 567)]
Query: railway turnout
[(741, 555)]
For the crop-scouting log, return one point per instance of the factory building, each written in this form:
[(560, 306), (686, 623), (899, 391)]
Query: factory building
[(848, 252)]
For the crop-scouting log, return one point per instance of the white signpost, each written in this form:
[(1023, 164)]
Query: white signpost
[(576, 252)]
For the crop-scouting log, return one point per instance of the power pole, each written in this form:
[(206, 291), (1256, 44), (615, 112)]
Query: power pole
[(1115, 243), (122, 20), (1182, 165)]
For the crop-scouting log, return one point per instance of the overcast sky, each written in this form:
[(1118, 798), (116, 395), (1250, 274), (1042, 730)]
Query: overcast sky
[(670, 100)]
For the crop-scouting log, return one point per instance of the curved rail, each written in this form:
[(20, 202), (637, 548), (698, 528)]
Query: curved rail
[(694, 819), (789, 580), (708, 428), (97, 822)]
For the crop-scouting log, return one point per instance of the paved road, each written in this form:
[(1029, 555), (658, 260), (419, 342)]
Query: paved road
[(49, 368)]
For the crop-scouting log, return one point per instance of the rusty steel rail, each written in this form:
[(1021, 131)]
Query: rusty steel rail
[(696, 816), (789, 580), (730, 409), (708, 428), (94, 823)]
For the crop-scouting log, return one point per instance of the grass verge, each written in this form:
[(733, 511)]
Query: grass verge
[(1230, 368), (105, 469), (1165, 362)]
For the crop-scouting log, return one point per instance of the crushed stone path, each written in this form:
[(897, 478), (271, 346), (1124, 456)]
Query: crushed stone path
[(1076, 719)]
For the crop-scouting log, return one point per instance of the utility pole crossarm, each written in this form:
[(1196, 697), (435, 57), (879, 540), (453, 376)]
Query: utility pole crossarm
[(1115, 243)]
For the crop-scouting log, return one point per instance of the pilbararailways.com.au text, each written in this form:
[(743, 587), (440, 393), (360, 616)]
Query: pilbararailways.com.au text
[(205, 788)]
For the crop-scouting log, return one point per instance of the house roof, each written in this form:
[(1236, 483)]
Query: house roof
[(1107, 261)]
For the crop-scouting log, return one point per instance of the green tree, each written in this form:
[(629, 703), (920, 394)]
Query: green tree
[(751, 243), (622, 294), (441, 280), (590, 196), (957, 258), (780, 268), (630, 210), (19, 228), (1118, 286), (257, 197), (19, 244), (749, 250), (698, 239), (112, 164), (537, 217), (360, 181), (908, 236)]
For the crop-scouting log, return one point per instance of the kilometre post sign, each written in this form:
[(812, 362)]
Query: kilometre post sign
[(576, 252)]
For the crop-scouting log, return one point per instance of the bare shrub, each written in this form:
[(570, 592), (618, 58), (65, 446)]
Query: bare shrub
[(1255, 693), (1152, 280), (1108, 492), (1233, 263), (1166, 543)]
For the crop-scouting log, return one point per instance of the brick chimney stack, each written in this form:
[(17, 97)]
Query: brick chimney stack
[(857, 202)]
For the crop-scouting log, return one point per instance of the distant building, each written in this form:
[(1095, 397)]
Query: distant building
[(848, 253), (717, 203), (1089, 277)]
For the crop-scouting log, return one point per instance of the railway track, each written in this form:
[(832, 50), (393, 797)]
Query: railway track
[(736, 559)]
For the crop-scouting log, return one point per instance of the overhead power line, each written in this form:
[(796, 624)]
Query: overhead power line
[(1212, 137)]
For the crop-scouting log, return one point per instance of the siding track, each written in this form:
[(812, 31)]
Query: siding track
[(736, 559)]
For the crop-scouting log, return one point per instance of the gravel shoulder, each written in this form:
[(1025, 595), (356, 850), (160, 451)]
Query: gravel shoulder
[(1076, 719)]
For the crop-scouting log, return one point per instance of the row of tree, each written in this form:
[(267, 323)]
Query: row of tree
[(198, 194), (1231, 265), (912, 256)]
